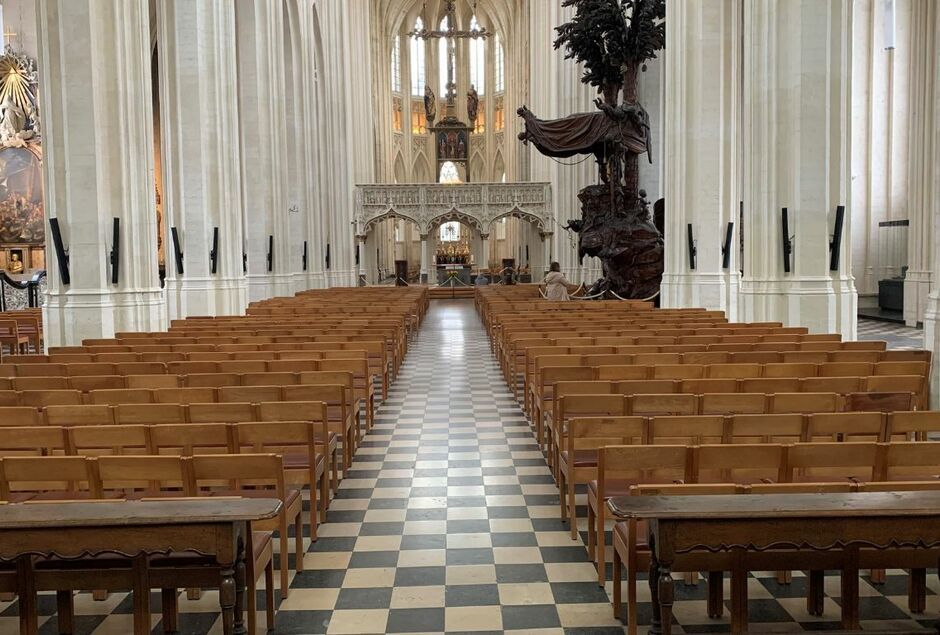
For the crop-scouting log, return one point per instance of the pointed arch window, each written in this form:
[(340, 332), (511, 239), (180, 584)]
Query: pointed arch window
[(418, 78), (444, 60), (450, 232), (477, 59), (396, 64), (499, 84)]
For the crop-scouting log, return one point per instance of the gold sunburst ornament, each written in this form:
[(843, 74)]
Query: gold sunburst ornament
[(19, 106)]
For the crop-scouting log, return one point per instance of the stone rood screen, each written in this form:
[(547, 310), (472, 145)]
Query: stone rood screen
[(476, 204)]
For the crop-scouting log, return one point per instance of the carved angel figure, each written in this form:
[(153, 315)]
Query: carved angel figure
[(430, 104)]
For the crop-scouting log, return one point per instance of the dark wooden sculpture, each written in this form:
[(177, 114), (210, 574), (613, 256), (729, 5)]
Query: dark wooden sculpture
[(612, 39)]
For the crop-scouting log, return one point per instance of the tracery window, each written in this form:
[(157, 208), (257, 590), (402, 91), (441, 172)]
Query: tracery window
[(499, 66), (444, 60), (449, 173), (450, 232), (418, 78), (396, 64), (477, 59)]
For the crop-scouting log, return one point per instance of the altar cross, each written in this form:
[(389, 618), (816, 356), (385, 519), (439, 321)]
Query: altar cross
[(451, 33)]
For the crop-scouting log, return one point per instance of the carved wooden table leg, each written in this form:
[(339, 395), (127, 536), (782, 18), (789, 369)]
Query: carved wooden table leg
[(141, 595), (917, 591), (26, 592), (655, 623), (170, 604), (666, 593), (816, 592), (716, 604), (65, 612), (738, 592), (240, 582), (850, 614), (227, 597)]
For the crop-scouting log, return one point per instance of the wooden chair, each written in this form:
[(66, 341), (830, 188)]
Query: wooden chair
[(831, 462), (152, 381), (44, 478), (880, 401), (315, 412), (41, 383), (579, 405), (618, 468), (108, 440), (658, 405), (911, 461), (578, 461), (87, 383), (840, 385), (304, 464), (184, 396), (150, 413), (804, 403), (212, 380), (685, 430), (766, 428), (79, 415), (733, 403), (740, 464), (46, 398), (11, 337), (32, 441), (19, 416), (250, 394), (261, 476), (343, 419), (123, 396), (845, 426), (233, 412), (188, 439), (630, 548), (912, 426)]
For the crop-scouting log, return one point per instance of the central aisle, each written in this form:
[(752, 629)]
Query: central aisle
[(448, 520)]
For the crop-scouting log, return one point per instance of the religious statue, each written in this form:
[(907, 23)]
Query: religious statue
[(12, 119), (16, 265), (473, 105), (430, 104), (612, 39)]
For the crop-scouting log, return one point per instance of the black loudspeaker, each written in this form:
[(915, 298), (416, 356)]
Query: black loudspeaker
[(835, 247), (270, 254), (692, 250), (214, 253), (787, 243), (60, 254), (726, 247), (305, 256), (357, 254), (244, 262), (115, 256), (327, 255), (177, 250)]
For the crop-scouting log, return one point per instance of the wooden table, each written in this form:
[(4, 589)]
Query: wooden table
[(217, 528), (796, 531)]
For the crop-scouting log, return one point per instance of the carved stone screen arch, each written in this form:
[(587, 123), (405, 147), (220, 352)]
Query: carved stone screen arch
[(474, 204)]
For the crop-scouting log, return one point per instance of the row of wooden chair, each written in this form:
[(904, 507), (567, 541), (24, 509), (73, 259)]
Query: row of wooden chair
[(632, 553), (578, 458), (165, 478)]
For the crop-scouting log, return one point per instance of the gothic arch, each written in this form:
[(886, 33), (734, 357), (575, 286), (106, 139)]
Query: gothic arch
[(499, 168), (421, 170), (521, 214), (390, 214), (455, 215), (399, 169)]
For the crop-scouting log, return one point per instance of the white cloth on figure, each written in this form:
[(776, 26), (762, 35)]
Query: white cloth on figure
[(556, 286)]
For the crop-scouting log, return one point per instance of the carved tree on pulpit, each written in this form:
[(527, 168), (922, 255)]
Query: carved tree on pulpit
[(612, 39)]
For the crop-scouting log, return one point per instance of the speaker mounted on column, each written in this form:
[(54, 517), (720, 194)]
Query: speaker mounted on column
[(61, 253), (177, 250), (691, 244), (214, 252), (726, 247), (270, 254), (835, 245), (787, 241)]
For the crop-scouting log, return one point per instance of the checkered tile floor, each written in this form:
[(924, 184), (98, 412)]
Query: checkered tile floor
[(448, 523), (896, 335)]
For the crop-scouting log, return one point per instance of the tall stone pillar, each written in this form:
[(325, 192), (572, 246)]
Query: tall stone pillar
[(702, 128), (546, 250), (923, 178), (98, 165), (485, 257), (796, 154), (424, 259), (925, 198), (200, 151), (263, 129), (361, 265)]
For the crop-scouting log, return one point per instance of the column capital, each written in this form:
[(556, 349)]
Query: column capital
[(485, 236), (423, 236)]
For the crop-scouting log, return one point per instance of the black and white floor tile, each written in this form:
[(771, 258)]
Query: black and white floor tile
[(448, 522), (896, 335)]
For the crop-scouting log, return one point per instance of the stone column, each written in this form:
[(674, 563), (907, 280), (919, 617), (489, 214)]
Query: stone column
[(796, 154), (424, 259), (361, 248), (547, 250), (485, 257), (923, 178), (200, 150), (925, 199), (98, 165), (702, 68), (262, 128)]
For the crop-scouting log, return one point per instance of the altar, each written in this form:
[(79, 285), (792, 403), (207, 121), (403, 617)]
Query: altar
[(460, 273)]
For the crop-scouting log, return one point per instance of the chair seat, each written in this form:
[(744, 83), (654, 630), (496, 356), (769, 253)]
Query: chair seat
[(582, 458), (298, 460)]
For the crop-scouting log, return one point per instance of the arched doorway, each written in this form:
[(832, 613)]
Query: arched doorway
[(390, 239), (518, 237)]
